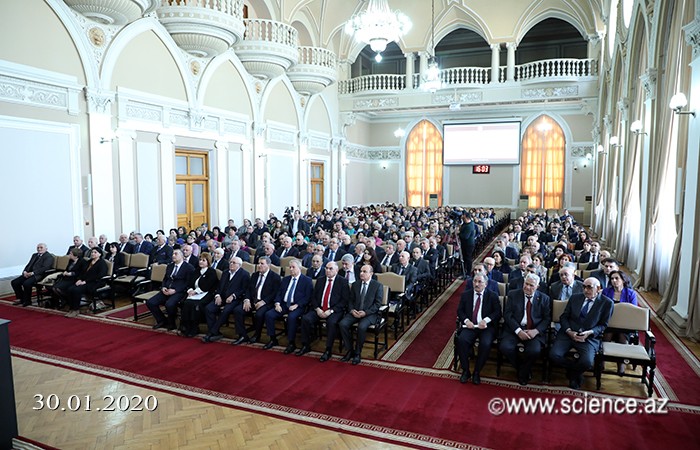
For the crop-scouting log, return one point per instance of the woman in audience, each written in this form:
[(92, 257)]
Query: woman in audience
[(370, 257), (230, 237), (191, 242), (113, 256), (88, 281), (582, 239), (540, 269), (148, 237), (563, 260), (200, 293), (377, 237), (181, 232), (619, 292), (244, 228), (554, 257), (76, 265), (501, 263), (277, 230), (216, 234)]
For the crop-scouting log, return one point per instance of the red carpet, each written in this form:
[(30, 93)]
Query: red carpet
[(395, 401), (426, 348)]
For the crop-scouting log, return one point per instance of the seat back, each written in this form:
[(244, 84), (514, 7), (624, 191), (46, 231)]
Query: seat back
[(558, 307), (218, 274), (505, 278), (126, 257), (110, 268), (276, 269), (304, 270), (158, 272), (502, 288), (248, 267), (60, 263), (385, 295), (284, 262), (626, 316), (450, 250), (395, 282), (138, 261), (586, 274)]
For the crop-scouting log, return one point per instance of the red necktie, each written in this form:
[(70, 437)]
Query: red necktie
[(528, 308), (327, 295), (475, 314)]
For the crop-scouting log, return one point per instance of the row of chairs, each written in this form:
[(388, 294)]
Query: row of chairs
[(626, 318)]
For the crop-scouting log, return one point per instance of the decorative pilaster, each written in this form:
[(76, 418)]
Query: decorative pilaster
[(692, 33), (127, 179), (167, 177), (99, 101), (623, 105), (222, 213), (410, 65)]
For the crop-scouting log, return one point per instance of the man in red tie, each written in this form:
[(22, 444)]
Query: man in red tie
[(527, 316), (478, 313), (328, 302)]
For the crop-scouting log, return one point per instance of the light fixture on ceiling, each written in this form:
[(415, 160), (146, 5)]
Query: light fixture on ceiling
[(431, 78), (678, 102), (637, 128), (378, 25)]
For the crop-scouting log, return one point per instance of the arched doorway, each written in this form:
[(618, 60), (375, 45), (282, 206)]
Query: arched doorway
[(542, 169), (423, 164)]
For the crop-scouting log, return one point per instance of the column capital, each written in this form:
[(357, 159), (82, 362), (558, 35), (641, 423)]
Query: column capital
[(303, 138), (259, 128), (649, 79), (221, 145), (124, 135), (99, 100), (511, 45), (692, 35), (623, 105)]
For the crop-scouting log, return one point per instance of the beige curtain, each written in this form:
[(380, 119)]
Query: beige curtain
[(629, 191), (667, 86), (542, 167), (423, 164)]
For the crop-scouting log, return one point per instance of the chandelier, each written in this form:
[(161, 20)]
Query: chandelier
[(431, 78), (378, 25)]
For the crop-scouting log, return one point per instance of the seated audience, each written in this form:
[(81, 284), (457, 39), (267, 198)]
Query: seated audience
[(258, 300), (87, 282), (172, 292), (35, 270), (200, 293), (363, 308), (583, 322)]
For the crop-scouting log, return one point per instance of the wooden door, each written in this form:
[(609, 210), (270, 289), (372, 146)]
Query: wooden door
[(192, 188), (317, 187)]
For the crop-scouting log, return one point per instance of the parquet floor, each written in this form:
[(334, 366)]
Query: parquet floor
[(177, 422)]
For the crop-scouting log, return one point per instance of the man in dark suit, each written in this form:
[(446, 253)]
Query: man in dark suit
[(390, 257), (593, 257), (421, 265), (141, 246), (124, 245), (329, 301), (230, 293), (298, 224), (286, 249), (495, 275), (603, 274), (78, 243), (103, 244), (478, 313), (527, 315), (269, 251), (566, 286), (409, 272), (429, 255), (491, 285), (292, 297), (218, 261), (33, 272), (520, 270), (333, 252), (162, 253), (259, 299), (236, 251), (172, 292), (467, 236), (317, 269), (365, 300), (189, 257), (350, 270), (583, 322)]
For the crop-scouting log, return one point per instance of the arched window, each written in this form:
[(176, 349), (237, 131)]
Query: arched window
[(542, 168), (423, 164)]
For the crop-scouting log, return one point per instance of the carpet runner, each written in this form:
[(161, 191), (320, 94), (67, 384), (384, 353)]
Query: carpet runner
[(396, 403)]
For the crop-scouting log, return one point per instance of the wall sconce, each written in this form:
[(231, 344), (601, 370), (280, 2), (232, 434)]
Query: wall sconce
[(601, 150), (678, 102), (589, 156), (615, 141), (105, 140), (637, 128), (399, 132)]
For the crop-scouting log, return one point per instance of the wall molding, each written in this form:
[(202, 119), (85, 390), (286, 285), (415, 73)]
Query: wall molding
[(30, 86)]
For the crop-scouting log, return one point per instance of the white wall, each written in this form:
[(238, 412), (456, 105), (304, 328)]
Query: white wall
[(39, 189)]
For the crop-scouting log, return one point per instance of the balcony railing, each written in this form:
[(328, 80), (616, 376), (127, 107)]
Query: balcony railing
[(204, 28), (270, 31), (543, 71), (371, 83), (317, 56), (315, 70), (556, 68)]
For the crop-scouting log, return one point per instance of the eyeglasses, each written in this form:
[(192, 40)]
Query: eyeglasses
[(588, 286)]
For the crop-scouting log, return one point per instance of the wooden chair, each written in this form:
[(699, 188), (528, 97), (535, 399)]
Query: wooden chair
[(629, 318), (60, 264), (132, 274), (380, 326), (105, 293), (284, 263), (148, 288), (276, 269)]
